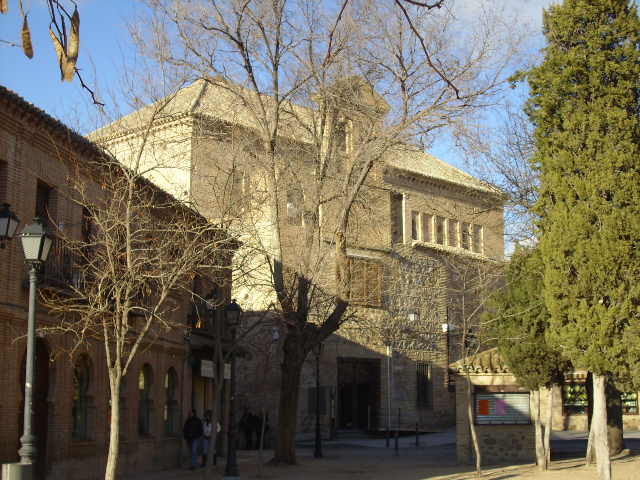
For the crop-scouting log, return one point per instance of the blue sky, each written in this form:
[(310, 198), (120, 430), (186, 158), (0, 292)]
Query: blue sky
[(105, 44)]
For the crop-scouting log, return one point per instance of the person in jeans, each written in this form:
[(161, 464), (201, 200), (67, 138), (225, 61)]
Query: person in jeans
[(207, 429), (192, 433)]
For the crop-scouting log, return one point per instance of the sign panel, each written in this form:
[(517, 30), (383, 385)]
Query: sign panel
[(502, 408), (206, 369)]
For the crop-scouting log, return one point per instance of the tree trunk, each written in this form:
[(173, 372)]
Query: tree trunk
[(472, 427), (548, 426), (288, 409), (114, 432), (615, 429), (599, 426), (541, 456)]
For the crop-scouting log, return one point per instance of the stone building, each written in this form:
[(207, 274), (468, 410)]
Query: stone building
[(417, 215), (71, 399)]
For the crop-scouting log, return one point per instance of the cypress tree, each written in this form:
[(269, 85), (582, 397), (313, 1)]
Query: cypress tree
[(520, 324), (585, 106)]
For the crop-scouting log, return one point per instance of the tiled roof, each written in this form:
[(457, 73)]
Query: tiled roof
[(217, 100), (56, 126), (488, 361), (412, 160)]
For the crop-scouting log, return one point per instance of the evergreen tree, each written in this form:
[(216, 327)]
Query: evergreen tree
[(585, 105), (519, 323)]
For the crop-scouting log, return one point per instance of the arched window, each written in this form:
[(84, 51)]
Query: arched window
[(145, 405), (171, 404), (81, 399)]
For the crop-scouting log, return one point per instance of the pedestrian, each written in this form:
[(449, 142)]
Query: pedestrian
[(192, 433), (207, 431), (246, 425)]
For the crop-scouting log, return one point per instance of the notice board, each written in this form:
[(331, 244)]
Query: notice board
[(502, 408)]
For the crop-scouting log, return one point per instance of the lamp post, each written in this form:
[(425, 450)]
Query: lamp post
[(232, 317), (36, 243), (8, 224), (317, 451)]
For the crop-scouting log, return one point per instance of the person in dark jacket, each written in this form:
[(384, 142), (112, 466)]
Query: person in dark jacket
[(193, 432)]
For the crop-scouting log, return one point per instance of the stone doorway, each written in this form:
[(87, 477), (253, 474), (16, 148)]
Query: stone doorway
[(358, 393)]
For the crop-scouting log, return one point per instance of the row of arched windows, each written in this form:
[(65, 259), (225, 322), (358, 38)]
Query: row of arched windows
[(82, 404)]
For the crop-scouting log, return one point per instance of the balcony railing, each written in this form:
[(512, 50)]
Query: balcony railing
[(61, 268)]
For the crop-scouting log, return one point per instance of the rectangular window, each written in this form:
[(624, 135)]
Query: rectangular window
[(477, 239), (294, 208), (427, 226), (452, 232), (366, 282), (45, 203), (343, 136), (502, 408), (465, 235), (311, 403), (424, 384), (4, 196), (439, 230), (574, 398), (415, 220), (629, 403)]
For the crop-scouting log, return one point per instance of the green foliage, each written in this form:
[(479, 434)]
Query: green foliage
[(585, 104), (520, 321)]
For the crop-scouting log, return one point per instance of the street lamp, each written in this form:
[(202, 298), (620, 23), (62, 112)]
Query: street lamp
[(317, 351), (232, 318), (36, 243), (8, 223)]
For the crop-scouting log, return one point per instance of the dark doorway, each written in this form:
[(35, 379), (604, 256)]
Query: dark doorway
[(358, 393), (40, 422)]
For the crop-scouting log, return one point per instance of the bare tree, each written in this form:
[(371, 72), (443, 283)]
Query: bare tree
[(472, 283), (134, 261), (297, 85)]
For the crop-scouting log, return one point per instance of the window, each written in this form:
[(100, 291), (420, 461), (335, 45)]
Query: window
[(81, 399), (171, 404), (477, 239), (44, 202), (629, 403), (574, 398), (415, 220), (145, 401), (87, 226), (465, 236), (294, 208), (366, 282), (439, 230), (343, 136), (424, 385), (426, 227), (4, 196), (452, 233)]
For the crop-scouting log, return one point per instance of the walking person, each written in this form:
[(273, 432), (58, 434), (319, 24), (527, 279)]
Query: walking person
[(207, 431), (192, 433)]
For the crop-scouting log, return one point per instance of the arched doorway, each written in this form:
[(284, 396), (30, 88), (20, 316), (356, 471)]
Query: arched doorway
[(40, 422)]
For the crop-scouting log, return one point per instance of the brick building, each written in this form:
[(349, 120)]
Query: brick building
[(416, 216), (71, 398)]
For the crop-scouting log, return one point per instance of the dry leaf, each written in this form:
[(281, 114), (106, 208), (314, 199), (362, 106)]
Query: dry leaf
[(4, 6), (62, 56), (27, 46), (73, 47)]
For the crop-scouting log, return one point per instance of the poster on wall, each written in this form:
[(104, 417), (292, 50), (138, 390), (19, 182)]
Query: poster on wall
[(502, 408)]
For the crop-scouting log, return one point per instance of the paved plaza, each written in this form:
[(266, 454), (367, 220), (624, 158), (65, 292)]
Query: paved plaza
[(364, 458)]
